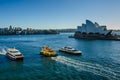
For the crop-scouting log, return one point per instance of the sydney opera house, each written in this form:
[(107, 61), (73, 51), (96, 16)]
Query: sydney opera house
[(92, 30)]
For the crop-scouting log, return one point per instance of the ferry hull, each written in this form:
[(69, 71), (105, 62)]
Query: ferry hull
[(13, 58), (41, 53)]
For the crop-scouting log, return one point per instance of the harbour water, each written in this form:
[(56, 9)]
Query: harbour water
[(100, 59)]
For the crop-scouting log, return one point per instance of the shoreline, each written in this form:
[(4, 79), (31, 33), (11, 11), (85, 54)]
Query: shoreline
[(94, 36)]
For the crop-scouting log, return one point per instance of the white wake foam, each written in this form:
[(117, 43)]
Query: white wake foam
[(89, 67), (3, 50)]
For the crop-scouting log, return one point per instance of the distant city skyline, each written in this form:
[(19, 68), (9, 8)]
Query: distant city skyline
[(58, 14)]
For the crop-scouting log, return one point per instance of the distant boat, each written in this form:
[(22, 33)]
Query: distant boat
[(71, 36), (70, 50), (14, 54), (48, 52)]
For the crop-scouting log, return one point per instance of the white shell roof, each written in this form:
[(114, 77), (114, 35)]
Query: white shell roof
[(92, 27)]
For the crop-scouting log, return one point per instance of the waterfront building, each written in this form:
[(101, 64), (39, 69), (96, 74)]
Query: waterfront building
[(92, 30), (29, 31), (91, 27)]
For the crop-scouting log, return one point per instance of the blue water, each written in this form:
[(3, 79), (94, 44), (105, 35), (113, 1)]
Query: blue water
[(100, 59)]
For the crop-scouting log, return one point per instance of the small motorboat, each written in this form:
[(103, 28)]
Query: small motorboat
[(70, 50), (14, 54), (48, 52)]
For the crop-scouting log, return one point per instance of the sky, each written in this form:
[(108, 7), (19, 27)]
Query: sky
[(57, 14)]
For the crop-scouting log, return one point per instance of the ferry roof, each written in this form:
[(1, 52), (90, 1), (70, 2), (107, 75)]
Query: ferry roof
[(12, 49)]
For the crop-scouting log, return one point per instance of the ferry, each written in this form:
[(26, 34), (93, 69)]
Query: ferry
[(14, 54), (70, 50), (48, 52)]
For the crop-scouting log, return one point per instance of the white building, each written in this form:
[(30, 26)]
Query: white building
[(91, 27)]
